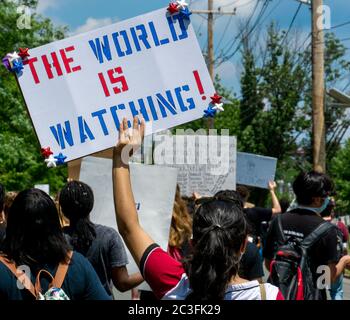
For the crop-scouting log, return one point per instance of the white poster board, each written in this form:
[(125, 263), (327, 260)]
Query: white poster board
[(43, 187), (154, 192), (77, 90), (206, 164), (254, 170)]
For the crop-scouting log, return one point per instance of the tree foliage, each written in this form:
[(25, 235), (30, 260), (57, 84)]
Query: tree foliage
[(21, 165)]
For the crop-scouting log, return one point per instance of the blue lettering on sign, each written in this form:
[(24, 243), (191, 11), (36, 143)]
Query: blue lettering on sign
[(99, 114), (138, 37), (183, 27), (97, 48), (58, 133), (143, 36), (190, 101), (168, 104), (172, 28), (143, 109), (152, 107), (128, 49), (84, 128)]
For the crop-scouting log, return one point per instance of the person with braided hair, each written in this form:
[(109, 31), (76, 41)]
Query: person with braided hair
[(101, 245), (220, 230)]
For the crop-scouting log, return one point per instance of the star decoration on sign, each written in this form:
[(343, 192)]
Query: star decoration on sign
[(173, 8), (181, 4), (60, 158), (50, 162), (46, 152), (185, 13), (219, 107), (17, 66), (23, 53), (209, 113), (6, 63), (12, 56), (215, 99)]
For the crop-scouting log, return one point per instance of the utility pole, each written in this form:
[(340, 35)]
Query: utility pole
[(318, 90), (210, 57), (210, 50)]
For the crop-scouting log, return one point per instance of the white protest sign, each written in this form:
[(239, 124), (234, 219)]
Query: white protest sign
[(77, 90), (206, 164), (154, 192), (254, 170), (43, 187)]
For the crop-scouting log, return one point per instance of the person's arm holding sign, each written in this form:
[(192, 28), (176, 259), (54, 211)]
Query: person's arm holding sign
[(136, 239), (276, 207)]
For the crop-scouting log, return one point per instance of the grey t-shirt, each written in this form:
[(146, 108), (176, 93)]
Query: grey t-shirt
[(106, 252)]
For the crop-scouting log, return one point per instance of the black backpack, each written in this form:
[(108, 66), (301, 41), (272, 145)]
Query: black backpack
[(290, 269)]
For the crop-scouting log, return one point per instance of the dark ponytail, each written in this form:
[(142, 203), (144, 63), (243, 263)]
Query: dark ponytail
[(219, 231), (77, 200)]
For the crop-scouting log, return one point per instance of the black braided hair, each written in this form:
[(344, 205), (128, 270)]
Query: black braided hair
[(77, 200)]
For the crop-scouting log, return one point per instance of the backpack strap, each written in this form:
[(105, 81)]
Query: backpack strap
[(19, 274), (37, 281), (62, 271), (280, 233), (315, 235), (262, 291)]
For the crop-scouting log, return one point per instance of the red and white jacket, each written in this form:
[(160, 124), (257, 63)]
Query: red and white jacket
[(168, 280)]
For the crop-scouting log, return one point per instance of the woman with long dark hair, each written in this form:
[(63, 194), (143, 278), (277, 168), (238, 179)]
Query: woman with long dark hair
[(34, 241), (219, 240), (101, 245)]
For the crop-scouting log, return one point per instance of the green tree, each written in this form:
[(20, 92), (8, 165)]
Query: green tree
[(21, 165), (340, 171), (270, 99), (336, 68)]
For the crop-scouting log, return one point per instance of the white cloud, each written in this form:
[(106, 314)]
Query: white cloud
[(92, 23), (43, 5), (229, 73)]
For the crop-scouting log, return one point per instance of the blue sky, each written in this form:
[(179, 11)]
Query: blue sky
[(84, 15)]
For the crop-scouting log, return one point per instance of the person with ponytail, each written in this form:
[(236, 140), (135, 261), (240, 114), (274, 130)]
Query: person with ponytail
[(101, 245), (210, 272)]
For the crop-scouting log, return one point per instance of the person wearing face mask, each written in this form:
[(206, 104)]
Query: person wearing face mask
[(312, 190)]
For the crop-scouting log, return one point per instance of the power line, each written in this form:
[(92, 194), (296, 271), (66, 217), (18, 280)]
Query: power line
[(340, 25), (262, 11), (238, 6), (223, 34), (292, 22), (257, 22), (239, 35)]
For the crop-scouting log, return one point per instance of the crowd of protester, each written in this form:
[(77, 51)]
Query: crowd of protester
[(217, 248)]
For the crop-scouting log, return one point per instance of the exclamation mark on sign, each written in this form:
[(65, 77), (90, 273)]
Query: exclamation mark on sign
[(199, 84)]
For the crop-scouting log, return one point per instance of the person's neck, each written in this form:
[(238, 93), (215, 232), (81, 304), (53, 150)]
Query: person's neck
[(237, 280)]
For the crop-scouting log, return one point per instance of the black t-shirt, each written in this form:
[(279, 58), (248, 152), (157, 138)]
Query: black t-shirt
[(299, 224), (256, 216), (251, 263), (106, 252), (2, 232)]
